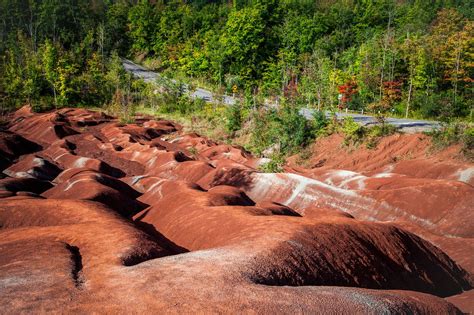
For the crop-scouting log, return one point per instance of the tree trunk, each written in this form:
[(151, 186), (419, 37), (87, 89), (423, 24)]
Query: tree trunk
[(382, 72), (385, 44), (409, 98), (101, 44), (319, 100), (458, 60), (55, 99)]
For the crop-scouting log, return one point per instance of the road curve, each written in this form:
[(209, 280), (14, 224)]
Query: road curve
[(406, 125)]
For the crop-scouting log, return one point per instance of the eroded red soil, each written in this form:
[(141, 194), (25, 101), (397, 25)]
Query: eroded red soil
[(101, 217)]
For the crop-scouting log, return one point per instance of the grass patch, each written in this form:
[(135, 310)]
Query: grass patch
[(356, 134), (455, 133), (304, 157)]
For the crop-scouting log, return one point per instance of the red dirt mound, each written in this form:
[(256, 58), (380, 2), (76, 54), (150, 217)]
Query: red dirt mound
[(407, 154), (90, 185), (43, 129), (33, 166), (13, 145), (24, 184), (142, 217), (439, 206), (305, 252)]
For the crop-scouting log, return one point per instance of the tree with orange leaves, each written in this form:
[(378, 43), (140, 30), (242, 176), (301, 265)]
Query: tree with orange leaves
[(346, 91)]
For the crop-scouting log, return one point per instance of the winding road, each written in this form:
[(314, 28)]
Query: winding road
[(406, 125)]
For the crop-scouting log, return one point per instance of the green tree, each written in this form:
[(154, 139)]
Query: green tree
[(50, 58), (116, 29), (242, 40), (142, 19), (66, 71), (416, 58), (315, 80), (458, 58)]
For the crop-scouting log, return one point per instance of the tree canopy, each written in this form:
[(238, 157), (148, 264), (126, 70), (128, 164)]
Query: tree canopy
[(317, 50)]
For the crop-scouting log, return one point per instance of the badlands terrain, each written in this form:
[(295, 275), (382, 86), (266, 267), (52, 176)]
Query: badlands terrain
[(96, 216)]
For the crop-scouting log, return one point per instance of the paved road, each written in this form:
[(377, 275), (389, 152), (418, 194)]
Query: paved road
[(407, 125), (151, 77)]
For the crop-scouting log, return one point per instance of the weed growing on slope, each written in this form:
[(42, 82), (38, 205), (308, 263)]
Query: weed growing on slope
[(455, 133), (355, 134), (275, 165)]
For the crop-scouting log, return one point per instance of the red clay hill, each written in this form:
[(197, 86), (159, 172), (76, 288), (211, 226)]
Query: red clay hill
[(97, 216)]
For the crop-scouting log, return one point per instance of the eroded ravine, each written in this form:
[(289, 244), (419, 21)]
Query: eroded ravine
[(175, 222)]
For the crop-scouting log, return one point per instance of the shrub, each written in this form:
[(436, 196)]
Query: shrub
[(448, 134), (264, 132), (374, 134), (233, 118), (353, 132), (286, 128), (295, 131), (122, 106), (186, 105), (455, 133), (304, 157), (320, 122), (182, 104), (275, 165), (442, 106), (467, 141)]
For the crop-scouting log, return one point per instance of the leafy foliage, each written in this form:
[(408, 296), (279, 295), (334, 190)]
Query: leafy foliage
[(456, 132), (234, 118), (275, 165), (313, 51), (355, 134)]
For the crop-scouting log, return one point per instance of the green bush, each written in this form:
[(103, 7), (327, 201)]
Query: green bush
[(442, 106), (295, 131), (275, 165), (263, 131), (374, 134), (450, 133), (233, 118), (455, 133), (184, 105), (353, 132), (285, 128), (467, 141), (122, 106), (320, 122)]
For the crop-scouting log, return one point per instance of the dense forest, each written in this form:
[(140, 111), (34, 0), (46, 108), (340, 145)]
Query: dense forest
[(408, 58)]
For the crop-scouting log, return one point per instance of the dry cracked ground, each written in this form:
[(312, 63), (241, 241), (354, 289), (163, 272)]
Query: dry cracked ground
[(101, 217)]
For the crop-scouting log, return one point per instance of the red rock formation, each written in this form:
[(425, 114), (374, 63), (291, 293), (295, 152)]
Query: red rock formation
[(211, 234)]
